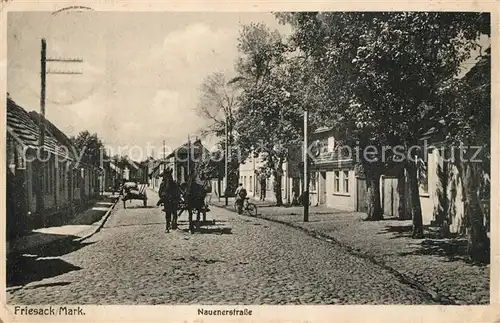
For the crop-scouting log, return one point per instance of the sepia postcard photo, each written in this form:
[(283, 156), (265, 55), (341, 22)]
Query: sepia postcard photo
[(241, 164)]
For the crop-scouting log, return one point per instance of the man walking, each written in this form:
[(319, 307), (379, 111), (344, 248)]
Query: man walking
[(263, 188)]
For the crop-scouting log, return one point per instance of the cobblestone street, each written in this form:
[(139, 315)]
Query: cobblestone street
[(133, 261)]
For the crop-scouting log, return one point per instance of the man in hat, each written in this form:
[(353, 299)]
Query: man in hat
[(169, 197), (165, 175)]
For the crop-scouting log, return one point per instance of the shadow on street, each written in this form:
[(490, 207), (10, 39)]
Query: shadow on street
[(449, 249), (37, 263), (23, 270), (211, 230)]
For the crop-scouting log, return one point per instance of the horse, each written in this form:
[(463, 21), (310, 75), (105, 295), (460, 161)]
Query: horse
[(194, 196), (169, 196)]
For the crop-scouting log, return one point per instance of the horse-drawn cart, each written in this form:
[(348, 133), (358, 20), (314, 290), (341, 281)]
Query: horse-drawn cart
[(134, 191)]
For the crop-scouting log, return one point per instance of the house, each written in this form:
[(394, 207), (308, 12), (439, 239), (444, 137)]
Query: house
[(89, 187), (42, 187), (112, 174), (183, 161), (441, 190), (332, 179), (252, 179), (130, 170), (155, 169)]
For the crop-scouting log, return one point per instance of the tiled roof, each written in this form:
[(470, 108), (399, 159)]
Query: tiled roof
[(26, 130), (59, 136), (131, 163), (183, 149)]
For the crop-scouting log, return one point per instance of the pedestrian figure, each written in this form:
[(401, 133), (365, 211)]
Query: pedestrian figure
[(295, 199), (263, 188), (169, 196)]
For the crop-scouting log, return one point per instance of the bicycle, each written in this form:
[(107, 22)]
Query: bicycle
[(249, 207)]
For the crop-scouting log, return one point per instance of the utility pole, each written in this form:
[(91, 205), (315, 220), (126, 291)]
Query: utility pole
[(41, 140), (226, 163), (163, 160), (306, 174), (189, 159)]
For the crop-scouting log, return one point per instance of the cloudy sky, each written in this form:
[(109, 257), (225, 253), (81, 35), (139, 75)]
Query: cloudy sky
[(141, 71)]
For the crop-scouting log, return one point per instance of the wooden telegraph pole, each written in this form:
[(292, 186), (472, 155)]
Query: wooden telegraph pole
[(226, 181), (189, 160), (306, 173), (40, 203), (41, 140)]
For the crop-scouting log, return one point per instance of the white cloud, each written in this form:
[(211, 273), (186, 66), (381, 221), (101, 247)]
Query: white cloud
[(135, 89), (168, 81)]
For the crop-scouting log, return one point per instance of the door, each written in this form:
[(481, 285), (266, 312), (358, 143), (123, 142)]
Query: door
[(362, 205)]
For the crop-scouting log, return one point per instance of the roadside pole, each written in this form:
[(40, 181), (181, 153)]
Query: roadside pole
[(306, 173), (226, 165), (42, 178)]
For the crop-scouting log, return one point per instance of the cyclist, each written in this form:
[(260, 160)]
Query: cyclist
[(241, 194)]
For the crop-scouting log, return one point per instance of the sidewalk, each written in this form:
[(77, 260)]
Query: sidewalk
[(436, 266), (80, 227)]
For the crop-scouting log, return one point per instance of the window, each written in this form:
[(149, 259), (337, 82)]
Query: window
[(244, 181), (49, 176), (251, 185), (323, 145), (336, 181), (61, 177), (346, 181), (312, 183), (46, 180)]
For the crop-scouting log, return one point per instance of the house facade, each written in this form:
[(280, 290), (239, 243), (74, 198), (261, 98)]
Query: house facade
[(253, 182), (441, 191), (182, 161), (46, 185), (332, 180)]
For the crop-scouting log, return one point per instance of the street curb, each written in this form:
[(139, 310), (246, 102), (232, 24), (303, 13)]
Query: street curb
[(431, 294), (103, 221)]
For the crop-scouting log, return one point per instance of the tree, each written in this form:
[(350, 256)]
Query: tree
[(217, 104), (89, 147), (211, 166), (384, 72), (269, 118)]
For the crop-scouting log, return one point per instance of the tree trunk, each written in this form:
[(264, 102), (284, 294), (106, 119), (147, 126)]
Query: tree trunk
[(402, 214), (416, 208), (478, 242), (375, 212), (277, 187)]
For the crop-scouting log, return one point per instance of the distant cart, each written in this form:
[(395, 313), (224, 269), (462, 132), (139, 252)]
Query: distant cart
[(133, 191)]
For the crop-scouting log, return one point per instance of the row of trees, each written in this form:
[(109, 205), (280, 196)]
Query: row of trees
[(381, 79), (92, 151)]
